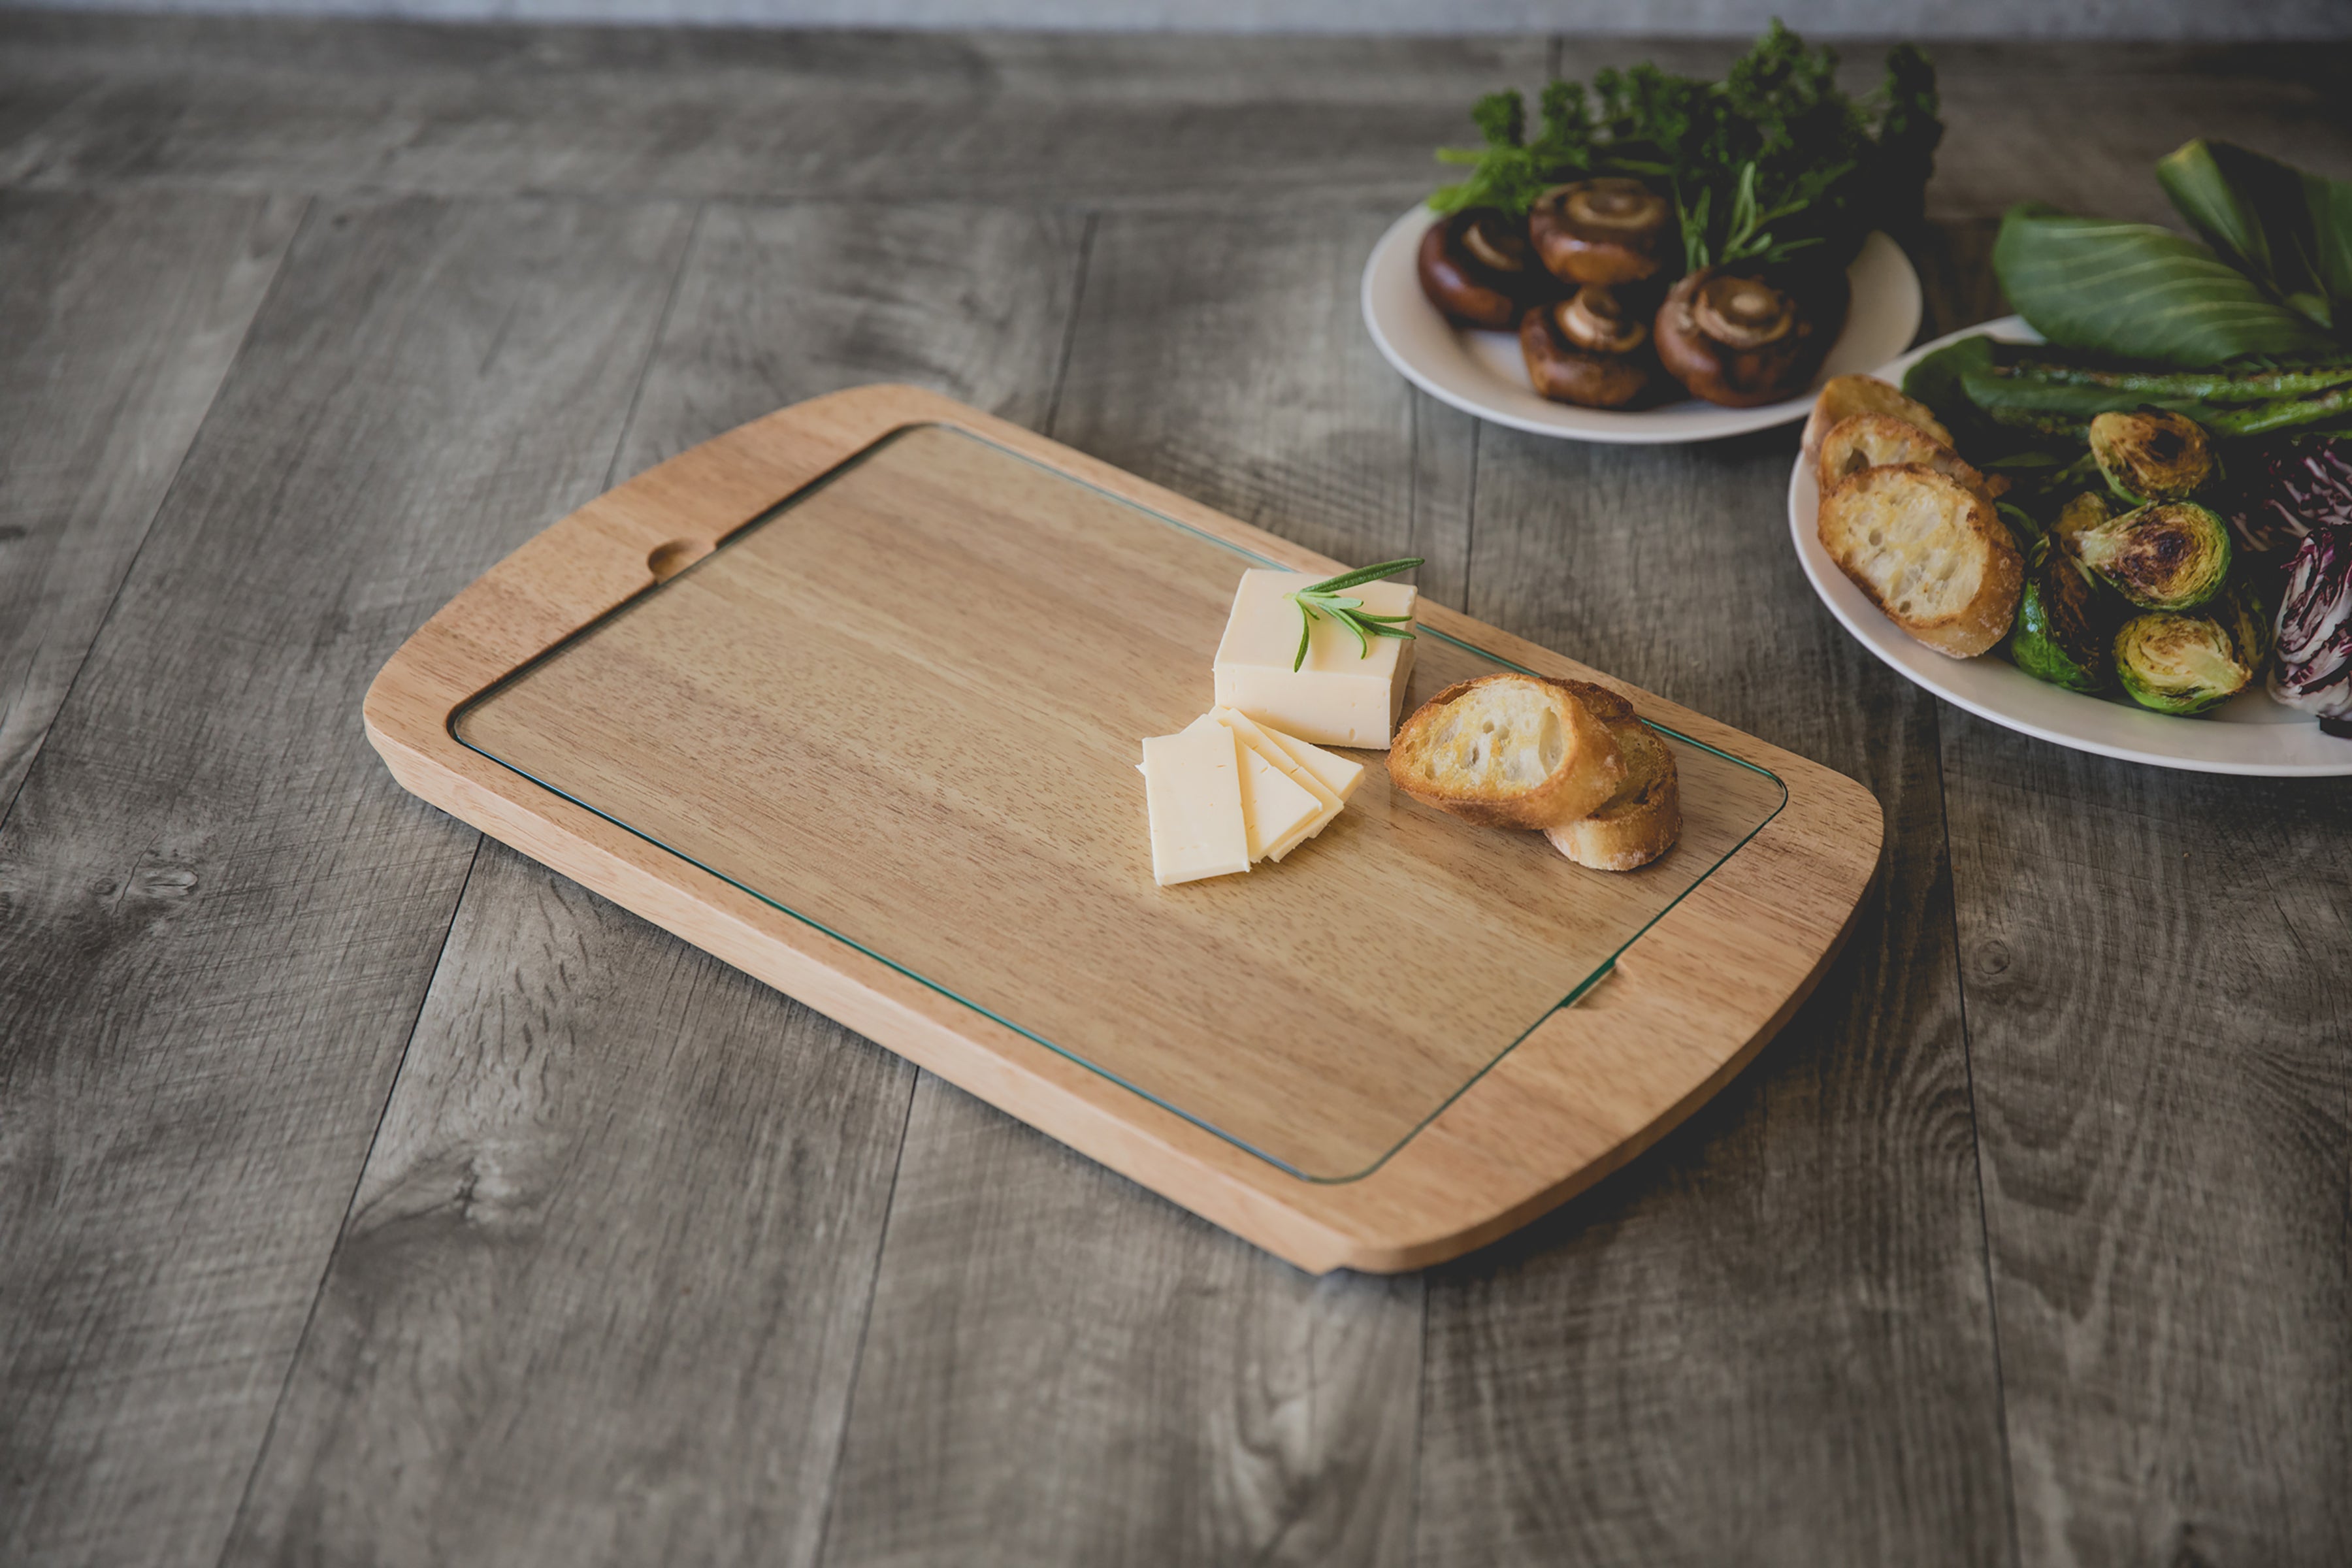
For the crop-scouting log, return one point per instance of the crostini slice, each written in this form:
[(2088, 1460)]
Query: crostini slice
[(1843, 396), (1928, 550), (1507, 751), (1645, 819), (1862, 441)]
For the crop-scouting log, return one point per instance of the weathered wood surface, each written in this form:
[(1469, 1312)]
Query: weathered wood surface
[(1031, 1304), (644, 1261), (2160, 1018), (2026, 1243), (118, 316), (217, 917), (1787, 1301)]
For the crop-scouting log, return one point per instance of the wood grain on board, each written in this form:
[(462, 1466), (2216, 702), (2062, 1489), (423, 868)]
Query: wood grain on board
[(118, 316), (217, 917), (1583, 1090), (601, 1293)]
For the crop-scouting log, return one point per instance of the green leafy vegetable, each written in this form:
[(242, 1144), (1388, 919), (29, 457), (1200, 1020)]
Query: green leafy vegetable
[(1771, 163), (1326, 599), (2289, 231), (2135, 290)]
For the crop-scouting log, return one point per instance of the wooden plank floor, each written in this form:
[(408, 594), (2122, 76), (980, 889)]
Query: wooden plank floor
[(368, 1193)]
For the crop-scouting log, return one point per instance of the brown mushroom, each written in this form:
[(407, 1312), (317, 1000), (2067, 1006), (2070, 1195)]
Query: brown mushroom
[(1741, 339), (1476, 267), (1587, 350), (1601, 231)]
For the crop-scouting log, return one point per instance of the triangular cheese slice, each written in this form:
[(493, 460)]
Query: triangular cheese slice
[(1274, 809), (1256, 738)]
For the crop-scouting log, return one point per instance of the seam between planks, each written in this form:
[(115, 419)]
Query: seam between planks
[(1070, 327), (865, 1321), (653, 341), (335, 1247), (147, 529), (1976, 1146)]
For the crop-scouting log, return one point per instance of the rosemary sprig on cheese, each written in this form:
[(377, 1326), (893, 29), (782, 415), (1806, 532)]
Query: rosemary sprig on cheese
[(1328, 598)]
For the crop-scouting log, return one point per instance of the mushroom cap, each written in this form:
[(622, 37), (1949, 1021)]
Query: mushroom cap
[(1462, 281), (1566, 373), (1775, 333), (1607, 230)]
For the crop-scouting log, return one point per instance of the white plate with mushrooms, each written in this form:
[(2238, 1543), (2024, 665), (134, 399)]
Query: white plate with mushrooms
[(1485, 373), (2250, 735)]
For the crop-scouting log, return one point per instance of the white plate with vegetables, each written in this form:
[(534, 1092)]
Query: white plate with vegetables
[(1660, 258), (2250, 733), (1486, 373)]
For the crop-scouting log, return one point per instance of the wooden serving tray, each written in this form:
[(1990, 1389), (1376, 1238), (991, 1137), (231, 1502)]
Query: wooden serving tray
[(851, 698)]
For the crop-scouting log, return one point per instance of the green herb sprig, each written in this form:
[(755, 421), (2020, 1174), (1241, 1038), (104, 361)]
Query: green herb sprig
[(1326, 599), (1772, 162)]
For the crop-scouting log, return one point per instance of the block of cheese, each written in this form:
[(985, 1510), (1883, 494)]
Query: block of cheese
[(1340, 696), (1338, 775), (1192, 792), (1266, 746), (1277, 813)]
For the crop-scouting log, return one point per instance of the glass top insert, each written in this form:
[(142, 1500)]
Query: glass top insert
[(906, 707)]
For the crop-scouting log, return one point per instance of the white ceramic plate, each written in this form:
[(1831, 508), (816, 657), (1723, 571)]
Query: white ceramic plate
[(2249, 735), (1483, 372)]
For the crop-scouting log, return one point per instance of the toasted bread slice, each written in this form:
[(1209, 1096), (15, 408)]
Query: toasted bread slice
[(1929, 551), (1645, 819), (1507, 751), (1641, 821), (1873, 440), (1843, 396)]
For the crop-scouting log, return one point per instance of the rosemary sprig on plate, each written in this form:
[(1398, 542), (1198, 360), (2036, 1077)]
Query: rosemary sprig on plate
[(1328, 598)]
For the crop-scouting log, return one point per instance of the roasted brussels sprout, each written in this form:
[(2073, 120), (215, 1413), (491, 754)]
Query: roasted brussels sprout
[(2151, 455), (2167, 555), (2248, 621), (2064, 632), (2086, 511), (2179, 663)]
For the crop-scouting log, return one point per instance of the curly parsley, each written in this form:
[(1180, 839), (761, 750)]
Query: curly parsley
[(1771, 163)]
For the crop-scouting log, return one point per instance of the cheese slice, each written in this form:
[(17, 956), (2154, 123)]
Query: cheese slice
[(1262, 745), (1338, 775), (1192, 792), (1277, 811)]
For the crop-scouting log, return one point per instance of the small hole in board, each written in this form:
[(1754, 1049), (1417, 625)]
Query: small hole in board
[(667, 560)]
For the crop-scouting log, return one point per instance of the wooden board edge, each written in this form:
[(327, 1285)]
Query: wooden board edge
[(1382, 1222)]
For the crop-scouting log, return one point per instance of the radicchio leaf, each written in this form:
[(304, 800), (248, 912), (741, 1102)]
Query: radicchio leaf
[(2293, 488), (2314, 671)]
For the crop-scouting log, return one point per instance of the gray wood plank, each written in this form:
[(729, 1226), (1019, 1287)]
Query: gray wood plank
[(217, 914), (2160, 1013), (1199, 122), (600, 1296), (1224, 358), (1101, 119), (782, 303), (1768, 1339), (1060, 1366), (118, 316)]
